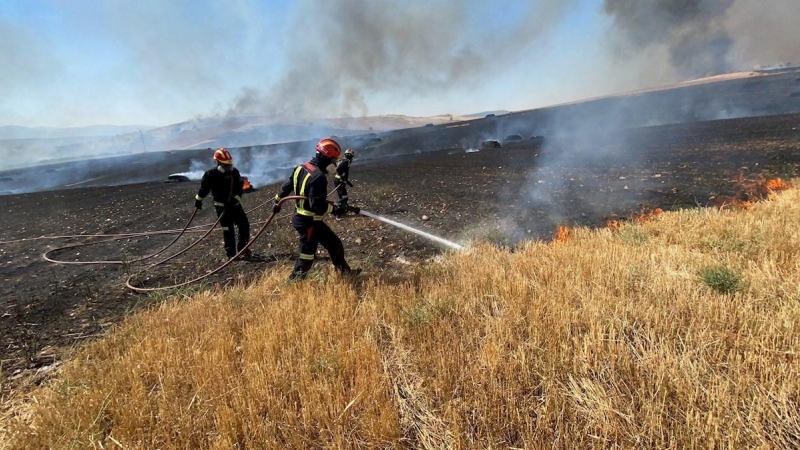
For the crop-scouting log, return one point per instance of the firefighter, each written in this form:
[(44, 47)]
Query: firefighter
[(342, 178), (226, 185), (310, 181)]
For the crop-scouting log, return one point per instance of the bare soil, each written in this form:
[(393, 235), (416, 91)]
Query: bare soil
[(502, 195)]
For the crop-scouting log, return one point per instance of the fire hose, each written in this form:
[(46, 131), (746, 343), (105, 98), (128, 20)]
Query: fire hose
[(128, 282), (47, 257), (115, 237), (186, 228)]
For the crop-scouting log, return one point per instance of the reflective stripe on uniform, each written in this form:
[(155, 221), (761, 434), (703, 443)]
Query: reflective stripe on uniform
[(306, 256), (337, 177), (197, 197), (224, 228), (303, 187), (302, 192), (219, 204), (296, 174)]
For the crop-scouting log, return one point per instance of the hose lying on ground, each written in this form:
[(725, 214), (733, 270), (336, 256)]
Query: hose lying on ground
[(129, 283), (47, 257), (116, 237)]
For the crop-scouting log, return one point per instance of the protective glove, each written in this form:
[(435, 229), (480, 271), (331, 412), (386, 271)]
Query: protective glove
[(350, 184), (198, 204), (353, 209), (276, 208)]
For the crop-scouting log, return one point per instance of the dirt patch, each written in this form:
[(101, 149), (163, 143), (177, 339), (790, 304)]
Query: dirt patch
[(501, 195)]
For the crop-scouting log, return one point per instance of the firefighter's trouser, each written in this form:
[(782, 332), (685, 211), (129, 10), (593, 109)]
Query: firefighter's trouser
[(312, 233), (341, 190), (233, 215)]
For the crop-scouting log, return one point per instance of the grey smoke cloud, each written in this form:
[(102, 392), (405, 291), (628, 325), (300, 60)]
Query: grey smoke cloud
[(765, 32), (344, 51), (705, 37), (693, 31), (341, 57)]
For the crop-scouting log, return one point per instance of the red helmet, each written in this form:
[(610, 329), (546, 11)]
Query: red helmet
[(329, 148), (223, 156)]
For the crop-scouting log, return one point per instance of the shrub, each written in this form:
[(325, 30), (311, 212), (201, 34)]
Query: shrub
[(722, 279)]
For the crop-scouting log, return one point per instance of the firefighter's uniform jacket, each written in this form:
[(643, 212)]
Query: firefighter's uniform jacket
[(226, 189), (341, 179), (309, 180)]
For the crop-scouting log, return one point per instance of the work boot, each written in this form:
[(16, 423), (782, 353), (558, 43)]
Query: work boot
[(243, 257), (296, 276), (352, 273)]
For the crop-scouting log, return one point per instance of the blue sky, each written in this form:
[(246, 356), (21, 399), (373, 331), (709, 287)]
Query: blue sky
[(156, 62)]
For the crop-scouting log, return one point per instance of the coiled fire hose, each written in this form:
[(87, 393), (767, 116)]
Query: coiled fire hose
[(47, 257), (185, 229), (119, 236), (116, 237), (129, 282)]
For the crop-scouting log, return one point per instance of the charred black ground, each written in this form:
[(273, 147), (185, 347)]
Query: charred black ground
[(503, 195)]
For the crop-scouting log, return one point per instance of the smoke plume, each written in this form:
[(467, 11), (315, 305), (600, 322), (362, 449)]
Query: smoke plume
[(708, 37), (345, 51)]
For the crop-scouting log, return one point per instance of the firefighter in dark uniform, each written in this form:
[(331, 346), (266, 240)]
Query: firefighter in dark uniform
[(342, 178), (309, 180), (225, 185)]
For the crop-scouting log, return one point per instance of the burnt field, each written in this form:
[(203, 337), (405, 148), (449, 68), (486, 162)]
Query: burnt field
[(502, 195)]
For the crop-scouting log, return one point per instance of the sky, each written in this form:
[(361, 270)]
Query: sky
[(67, 63)]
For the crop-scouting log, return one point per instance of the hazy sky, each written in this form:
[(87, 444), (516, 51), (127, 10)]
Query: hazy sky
[(156, 62)]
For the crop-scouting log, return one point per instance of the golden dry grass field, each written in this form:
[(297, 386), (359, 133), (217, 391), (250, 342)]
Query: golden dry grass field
[(681, 332)]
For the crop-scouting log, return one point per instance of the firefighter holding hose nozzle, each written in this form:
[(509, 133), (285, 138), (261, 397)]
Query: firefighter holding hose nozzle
[(342, 177), (226, 187), (310, 181)]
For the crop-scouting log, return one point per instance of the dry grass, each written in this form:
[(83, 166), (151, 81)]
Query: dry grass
[(609, 339)]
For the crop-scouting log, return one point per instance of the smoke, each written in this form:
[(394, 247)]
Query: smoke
[(346, 51), (707, 37), (765, 33), (261, 166), (679, 40), (263, 169), (692, 30)]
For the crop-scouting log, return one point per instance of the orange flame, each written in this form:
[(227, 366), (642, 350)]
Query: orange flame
[(246, 186), (776, 184), (752, 191), (562, 233), (613, 224), (646, 216), (733, 203)]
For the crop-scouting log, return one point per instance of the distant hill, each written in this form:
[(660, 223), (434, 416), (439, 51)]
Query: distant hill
[(18, 132), (722, 96), (498, 112), (47, 145)]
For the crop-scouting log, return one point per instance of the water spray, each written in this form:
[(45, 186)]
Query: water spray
[(428, 236)]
